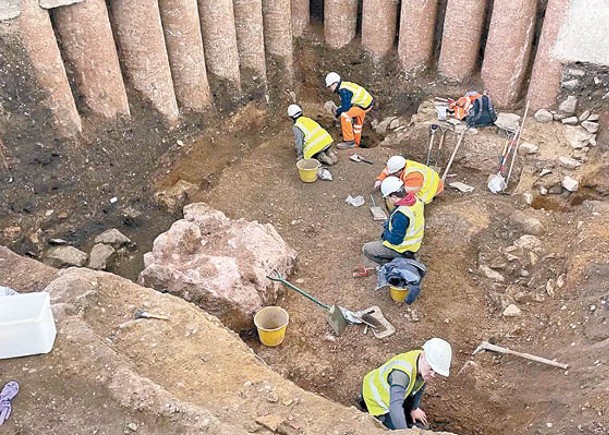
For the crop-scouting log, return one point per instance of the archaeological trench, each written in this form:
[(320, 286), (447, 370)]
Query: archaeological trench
[(148, 163)]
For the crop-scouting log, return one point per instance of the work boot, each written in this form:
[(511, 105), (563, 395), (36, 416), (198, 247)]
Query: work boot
[(323, 157), (332, 155), (346, 145)]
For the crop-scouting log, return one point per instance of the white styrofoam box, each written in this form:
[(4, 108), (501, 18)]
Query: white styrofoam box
[(27, 326)]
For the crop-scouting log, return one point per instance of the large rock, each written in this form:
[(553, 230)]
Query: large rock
[(576, 136), (64, 256), (176, 196), (568, 106), (526, 223), (591, 127), (570, 183), (218, 263), (568, 162), (113, 237), (101, 256), (528, 243), (490, 273), (507, 121), (50, 4), (543, 115), (10, 9)]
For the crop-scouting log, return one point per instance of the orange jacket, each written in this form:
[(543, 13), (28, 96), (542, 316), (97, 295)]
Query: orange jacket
[(463, 104), (413, 182)]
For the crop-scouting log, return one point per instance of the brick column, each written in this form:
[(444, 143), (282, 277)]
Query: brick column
[(379, 26), (417, 30), (250, 35), (508, 49), (545, 78), (340, 22), (300, 16), (184, 42), (278, 32), (43, 53), (138, 30), (461, 38), (88, 46), (220, 41)]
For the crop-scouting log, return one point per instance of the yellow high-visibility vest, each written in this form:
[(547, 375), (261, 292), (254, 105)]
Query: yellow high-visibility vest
[(416, 228), (315, 137), (376, 386), (431, 180), (361, 97)]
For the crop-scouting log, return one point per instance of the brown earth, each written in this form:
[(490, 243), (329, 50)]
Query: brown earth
[(244, 165), (462, 232)]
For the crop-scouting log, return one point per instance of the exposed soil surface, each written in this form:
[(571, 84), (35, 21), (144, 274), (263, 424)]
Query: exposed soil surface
[(496, 394), (245, 166)]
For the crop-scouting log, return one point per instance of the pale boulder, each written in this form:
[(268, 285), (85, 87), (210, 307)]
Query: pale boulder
[(569, 105), (65, 256), (577, 137), (512, 311), (570, 183), (219, 264), (507, 121), (591, 127), (114, 238), (568, 162), (526, 223), (543, 115)]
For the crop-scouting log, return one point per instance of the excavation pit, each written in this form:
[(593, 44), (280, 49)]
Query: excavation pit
[(178, 142)]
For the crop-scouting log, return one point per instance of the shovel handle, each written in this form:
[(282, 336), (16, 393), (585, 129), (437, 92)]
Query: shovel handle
[(452, 156), (274, 276)]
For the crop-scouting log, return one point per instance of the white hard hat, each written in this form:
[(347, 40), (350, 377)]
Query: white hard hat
[(294, 110), (438, 354), (391, 185), (396, 164), (332, 78)]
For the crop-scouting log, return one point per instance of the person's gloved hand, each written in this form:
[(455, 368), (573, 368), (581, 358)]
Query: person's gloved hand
[(377, 184)]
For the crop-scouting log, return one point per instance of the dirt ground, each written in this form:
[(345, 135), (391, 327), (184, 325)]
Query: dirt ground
[(246, 168), (496, 395)]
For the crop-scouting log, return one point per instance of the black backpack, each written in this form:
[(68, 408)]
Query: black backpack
[(482, 113)]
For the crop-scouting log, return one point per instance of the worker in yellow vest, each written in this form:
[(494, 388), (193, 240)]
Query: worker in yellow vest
[(392, 393), (311, 140), (403, 232), (419, 179), (355, 102)]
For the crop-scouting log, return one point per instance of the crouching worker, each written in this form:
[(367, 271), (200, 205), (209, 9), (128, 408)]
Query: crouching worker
[(311, 140), (403, 232), (419, 179), (392, 393), (355, 102)]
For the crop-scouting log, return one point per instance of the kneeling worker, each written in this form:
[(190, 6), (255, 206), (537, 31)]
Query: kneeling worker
[(404, 229), (392, 393), (419, 179), (311, 140)]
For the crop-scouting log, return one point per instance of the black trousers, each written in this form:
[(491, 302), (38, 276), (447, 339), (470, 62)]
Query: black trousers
[(385, 418)]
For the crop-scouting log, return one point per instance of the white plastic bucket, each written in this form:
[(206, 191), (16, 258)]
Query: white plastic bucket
[(27, 326)]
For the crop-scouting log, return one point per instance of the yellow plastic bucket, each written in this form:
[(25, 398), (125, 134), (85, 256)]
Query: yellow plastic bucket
[(307, 169), (398, 294), (271, 323)]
